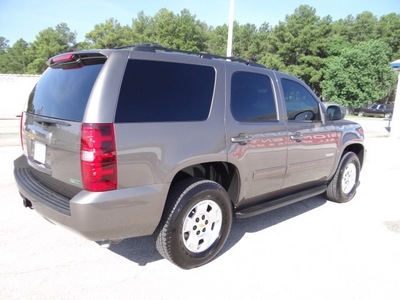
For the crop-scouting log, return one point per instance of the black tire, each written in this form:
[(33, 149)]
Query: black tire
[(195, 224), (343, 185)]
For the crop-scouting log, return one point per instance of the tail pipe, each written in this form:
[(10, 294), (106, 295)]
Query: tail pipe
[(27, 203)]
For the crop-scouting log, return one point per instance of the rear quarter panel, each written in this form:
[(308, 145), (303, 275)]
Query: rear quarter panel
[(154, 152)]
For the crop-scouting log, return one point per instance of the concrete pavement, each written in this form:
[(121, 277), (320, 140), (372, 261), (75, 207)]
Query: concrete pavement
[(310, 250), (9, 132)]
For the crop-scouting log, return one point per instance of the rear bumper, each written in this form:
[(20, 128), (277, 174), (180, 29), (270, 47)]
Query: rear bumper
[(111, 215)]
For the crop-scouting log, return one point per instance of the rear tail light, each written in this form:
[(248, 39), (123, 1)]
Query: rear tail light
[(21, 129), (63, 58), (98, 157)]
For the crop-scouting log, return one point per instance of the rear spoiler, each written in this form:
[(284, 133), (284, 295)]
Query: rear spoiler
[(74, 60)]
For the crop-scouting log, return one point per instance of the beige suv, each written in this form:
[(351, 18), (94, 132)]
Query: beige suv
[(143, 140)]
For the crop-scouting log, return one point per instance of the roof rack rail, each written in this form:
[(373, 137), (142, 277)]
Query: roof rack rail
[(153, 47)]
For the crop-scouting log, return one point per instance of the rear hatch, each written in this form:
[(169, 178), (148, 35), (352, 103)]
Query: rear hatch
[(52, 123)]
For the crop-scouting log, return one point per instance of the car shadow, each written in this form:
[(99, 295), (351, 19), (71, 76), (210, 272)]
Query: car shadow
[(142, 250), (266, 220)]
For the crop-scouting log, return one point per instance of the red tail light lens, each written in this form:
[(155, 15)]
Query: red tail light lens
[(21, 129), (98, 157), (62, 58)]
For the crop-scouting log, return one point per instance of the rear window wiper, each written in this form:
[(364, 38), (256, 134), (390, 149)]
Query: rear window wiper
[(50, 122)]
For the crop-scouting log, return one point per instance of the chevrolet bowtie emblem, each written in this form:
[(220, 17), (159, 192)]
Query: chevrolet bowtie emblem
[(31, 135)]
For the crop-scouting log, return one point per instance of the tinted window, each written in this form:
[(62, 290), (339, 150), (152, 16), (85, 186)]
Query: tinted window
[(300, 103), (252, 98), (154, 91), (63, 93)]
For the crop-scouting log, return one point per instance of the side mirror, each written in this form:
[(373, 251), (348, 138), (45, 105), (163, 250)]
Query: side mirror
[(335, 112)]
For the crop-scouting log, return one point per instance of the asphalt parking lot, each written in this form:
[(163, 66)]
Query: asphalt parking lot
[(310, 250)]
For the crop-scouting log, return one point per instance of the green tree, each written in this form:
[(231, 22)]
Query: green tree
[(360, 75), (109, 35), (249, 42), (217, 40), (364, 27), (244, 41), (48, 43), (181, 31), (335, 44), (344, 28), (272, 61), (260, 42), (85, 45), (3, 54), (141, 29), (16, 58), (388, 31), (300, 44), (163, 28), (3, 44), (191, 33)]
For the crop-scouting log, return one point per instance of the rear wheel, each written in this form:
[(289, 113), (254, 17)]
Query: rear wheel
[(195, 224), (342, 187)]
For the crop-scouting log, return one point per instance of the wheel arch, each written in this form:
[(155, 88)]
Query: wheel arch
[(358, 149), (224, 173)]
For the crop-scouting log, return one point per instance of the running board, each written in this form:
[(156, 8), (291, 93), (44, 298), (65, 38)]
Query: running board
[(280, 202)]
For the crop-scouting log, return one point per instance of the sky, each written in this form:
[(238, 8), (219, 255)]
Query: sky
[(26, 18)]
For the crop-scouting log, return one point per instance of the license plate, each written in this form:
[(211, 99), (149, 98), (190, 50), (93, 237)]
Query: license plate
[(40, 153)]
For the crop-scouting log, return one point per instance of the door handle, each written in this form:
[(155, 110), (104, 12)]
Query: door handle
[(298, 137), (242, 139)]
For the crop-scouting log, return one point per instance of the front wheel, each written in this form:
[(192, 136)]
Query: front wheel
[(343, 185), (196, 223)]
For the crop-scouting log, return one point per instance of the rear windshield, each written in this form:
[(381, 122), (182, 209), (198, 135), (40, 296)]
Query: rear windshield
[(63, 93), (154, 91)]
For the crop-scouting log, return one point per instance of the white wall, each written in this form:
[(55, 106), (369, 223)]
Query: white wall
[(14, 92)]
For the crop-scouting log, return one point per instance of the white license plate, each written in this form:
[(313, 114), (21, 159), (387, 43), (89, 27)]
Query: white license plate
[(40, 153)]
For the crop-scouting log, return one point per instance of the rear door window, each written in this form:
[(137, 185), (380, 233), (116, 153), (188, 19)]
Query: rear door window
[(252, 98), (154, 91), (63, 93)]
